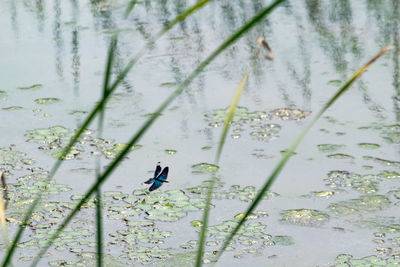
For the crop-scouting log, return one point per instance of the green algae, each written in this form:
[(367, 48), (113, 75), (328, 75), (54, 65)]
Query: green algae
[(382, 224), (306, 217), (12, 108), (283, 240), (389, 174), (31, 87), (55, 138), (12, 159), (202, 168), (78, 112), (87, 259), (47, 100), (170, 151), (364, 204), (335, 82), (340, 156), (250, 233), (168, 206), (384, 162), (112, 152), (68, 238), (246, 193), (366, 184), (329, 148), (373, 260), (322, 194), (205, 148), (368, 145), (389, 133), (265, 132), (196, 223), (257, 120), (145, 255), (49, 135), (243, 193)]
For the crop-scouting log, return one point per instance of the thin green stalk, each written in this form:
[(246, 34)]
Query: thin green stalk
[(291, 150), (99, 213), (229, 116), (228, 120), (210, 190), (149, 122), (89, 119), (99, 220), (130, 7)]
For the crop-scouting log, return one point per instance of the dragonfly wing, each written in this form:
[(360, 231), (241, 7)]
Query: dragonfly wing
[(163, 176), (151, 180), (157, 171), (155, 185)]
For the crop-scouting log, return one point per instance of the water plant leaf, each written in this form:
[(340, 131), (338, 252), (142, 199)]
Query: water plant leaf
[(31, 87), (46, 100), (306, 217)]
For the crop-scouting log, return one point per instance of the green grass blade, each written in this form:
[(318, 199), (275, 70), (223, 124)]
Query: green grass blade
[(203, 231), (90, 118), (150, 121), (230, 114), (99, 223), (130, 7), (99, 213), (229, 117), (292, 148)]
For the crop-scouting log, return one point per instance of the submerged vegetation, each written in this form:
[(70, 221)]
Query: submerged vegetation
[(212, 214)]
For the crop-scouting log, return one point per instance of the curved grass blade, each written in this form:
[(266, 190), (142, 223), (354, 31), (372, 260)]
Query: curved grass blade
[(231, 112), (229, 117), (149, 122), (130, 7), (99, 214), (292, 148), (90, 118)]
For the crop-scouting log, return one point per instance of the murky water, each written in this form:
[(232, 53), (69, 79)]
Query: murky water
[(338, 195)]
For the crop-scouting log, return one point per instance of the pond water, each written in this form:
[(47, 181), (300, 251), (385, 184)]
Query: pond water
[(335, 203)]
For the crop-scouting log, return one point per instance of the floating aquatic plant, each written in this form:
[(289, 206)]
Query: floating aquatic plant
[(46, 100), (306, 217), (364, 204)]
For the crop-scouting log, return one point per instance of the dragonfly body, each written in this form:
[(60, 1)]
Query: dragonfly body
[(159, 178)]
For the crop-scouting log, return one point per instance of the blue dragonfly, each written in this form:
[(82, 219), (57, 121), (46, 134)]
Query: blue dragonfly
[(158, 178)]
